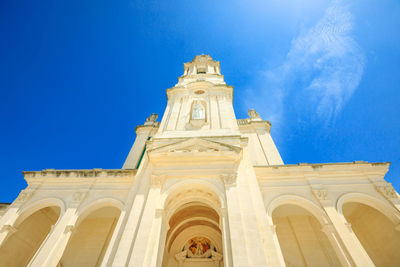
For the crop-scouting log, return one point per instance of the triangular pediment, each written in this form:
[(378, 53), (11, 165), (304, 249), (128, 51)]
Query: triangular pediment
[(196, 145)]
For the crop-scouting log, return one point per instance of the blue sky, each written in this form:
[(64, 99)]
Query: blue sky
[(76, 77)]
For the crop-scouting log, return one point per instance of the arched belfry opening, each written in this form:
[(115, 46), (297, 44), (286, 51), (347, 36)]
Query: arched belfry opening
[(27, 236), (378, 234), (194, 237)]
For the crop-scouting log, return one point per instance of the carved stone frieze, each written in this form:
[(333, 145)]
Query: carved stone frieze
[(320, 194)]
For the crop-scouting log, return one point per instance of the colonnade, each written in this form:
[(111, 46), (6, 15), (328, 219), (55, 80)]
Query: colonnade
[(359, 231)]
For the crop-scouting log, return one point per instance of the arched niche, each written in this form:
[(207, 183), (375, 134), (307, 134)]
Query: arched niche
[(194, 235), (28, 233), (91, 235), (378, 233), (300, 236)]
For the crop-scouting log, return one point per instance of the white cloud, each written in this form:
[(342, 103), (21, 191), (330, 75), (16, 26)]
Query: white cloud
[(320, 72)]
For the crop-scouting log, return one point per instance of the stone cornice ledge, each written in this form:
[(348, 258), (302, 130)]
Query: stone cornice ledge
[(341, 168), (80, 174)]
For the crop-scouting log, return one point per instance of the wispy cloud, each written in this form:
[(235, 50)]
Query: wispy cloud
[(320, 72)]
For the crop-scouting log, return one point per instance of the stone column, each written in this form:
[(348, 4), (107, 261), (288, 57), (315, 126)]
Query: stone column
[(256, 221), (113, 244), (134, 209), (9, 218), (358, 254), (226, 241), (148, 237), (6, 224), (344, 257), (236, 232), (53, 248)]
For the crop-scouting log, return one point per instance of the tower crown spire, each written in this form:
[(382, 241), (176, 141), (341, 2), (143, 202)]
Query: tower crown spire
[(201, 68)]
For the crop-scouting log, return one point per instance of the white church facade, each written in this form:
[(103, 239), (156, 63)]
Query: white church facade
[(202, 188)]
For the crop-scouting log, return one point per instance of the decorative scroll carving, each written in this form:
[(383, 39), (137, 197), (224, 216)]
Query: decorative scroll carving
[(229, 179), (387, 190), (320, 194)]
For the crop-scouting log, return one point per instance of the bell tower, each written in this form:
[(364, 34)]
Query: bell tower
[(200, 104)]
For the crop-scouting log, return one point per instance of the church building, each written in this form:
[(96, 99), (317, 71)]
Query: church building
[(201, 188)]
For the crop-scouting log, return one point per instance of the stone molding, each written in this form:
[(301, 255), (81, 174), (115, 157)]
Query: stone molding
[(98, 173)]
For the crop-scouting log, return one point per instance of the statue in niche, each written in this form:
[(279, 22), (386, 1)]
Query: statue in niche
[(198, 111)]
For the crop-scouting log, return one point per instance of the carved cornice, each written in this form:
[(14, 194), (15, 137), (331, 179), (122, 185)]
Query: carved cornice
[(71, 174), (352, 170)]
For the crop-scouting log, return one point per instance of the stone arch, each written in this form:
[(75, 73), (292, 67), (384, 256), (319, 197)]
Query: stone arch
[(30, 230), (94, 205), (376, 203), (303, 202), (36, 205), (92, 233), (299, 228), (216, 188), (192, 214), (376, 225)]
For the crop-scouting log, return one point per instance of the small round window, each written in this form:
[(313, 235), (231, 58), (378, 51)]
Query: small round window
[(199, 92)]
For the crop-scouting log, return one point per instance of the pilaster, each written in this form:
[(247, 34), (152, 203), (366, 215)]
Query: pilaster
[(345, 243), (146, 244)]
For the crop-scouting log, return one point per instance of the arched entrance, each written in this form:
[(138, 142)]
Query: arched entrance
[(376, 232), (29, 234), (194, 237), (302, 241), (90, 238)]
